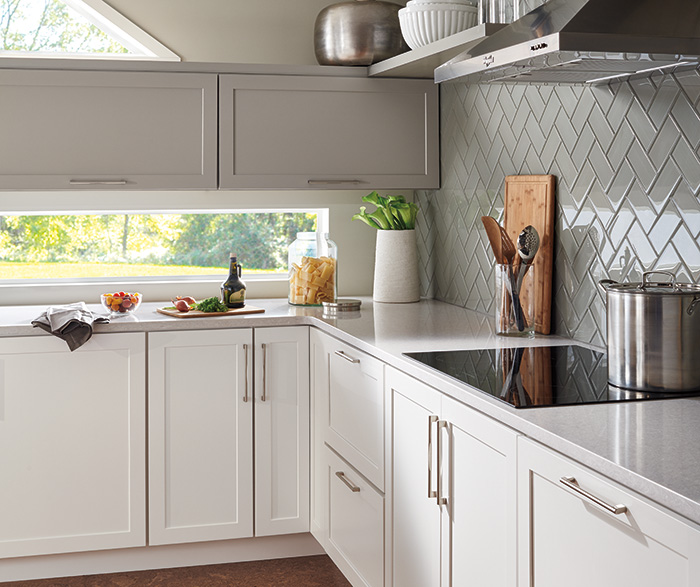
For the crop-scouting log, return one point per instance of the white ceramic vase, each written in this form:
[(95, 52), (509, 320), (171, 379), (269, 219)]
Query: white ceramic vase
[(396, 276)]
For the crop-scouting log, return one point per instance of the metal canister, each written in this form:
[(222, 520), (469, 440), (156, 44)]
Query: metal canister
[(358, 32), (653, 333)]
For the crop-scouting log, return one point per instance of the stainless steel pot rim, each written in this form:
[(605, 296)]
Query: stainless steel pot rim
[(655, 289), (648, 287)]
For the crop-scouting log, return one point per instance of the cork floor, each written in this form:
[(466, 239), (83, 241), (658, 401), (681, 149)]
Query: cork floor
[(307, 571)]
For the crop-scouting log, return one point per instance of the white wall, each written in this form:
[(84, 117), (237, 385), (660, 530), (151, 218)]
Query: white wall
[(232, 31)]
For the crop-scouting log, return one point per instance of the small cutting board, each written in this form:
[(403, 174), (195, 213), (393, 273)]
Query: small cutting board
[(171, 311), (529, 199)]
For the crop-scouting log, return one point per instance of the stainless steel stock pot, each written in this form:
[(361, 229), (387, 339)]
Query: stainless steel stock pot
[(653, 334)]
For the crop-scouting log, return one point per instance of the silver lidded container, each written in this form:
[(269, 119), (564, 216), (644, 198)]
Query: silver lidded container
[(653, 334), (358, 32)]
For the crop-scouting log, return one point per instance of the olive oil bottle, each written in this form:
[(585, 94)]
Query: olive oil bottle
[(233, 289)]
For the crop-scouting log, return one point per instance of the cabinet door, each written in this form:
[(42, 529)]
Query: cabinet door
[(318, 132), (479, 520), (281, 430), (416, 515), (200, 435), (73, 440), (107, 130), (567, 537)]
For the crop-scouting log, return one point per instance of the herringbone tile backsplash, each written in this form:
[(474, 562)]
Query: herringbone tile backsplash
[(627, 162)]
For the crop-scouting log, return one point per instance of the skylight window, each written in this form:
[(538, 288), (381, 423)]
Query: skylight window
[(73, 28)]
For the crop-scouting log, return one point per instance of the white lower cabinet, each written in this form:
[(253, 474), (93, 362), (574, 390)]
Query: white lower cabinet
[(282, 423), (349, 436), (72, 438), (203, 403), (200, 435), (454, 491), (579, 529)]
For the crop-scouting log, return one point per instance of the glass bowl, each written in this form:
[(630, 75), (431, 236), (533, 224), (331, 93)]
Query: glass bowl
[(121, 303)]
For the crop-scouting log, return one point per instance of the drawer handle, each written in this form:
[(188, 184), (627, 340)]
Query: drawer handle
[(348, 358), (354, 488), (97, 182), (572, 484)]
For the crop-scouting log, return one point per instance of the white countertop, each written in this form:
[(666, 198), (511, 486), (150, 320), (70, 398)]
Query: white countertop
[(651, 447)]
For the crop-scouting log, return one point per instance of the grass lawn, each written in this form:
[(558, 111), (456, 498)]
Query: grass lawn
[(68, 270)]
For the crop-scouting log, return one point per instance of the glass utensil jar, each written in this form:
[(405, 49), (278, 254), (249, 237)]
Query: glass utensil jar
[(313, 273), (499, 11), (515, 302)]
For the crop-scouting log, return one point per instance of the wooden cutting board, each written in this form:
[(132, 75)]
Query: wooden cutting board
[(529, 199), (171, 311)]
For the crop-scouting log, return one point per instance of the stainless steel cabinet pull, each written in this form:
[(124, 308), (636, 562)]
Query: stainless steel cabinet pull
[(438, 494), (348, 358), (571, 483), (334, 181), (97, 182), (431, 420), (263, 397), (245, 353), (354, 488)]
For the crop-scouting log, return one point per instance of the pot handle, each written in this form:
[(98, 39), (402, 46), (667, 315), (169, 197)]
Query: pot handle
[(646, 282), (603, 284), (693, 305)]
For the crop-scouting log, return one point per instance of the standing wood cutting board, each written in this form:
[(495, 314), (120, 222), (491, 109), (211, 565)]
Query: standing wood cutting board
[(529, 199)]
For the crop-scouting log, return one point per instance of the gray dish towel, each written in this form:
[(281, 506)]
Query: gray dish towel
[(72, 323)]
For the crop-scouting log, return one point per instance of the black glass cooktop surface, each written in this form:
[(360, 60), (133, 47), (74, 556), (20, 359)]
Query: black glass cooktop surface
[(537, 376)]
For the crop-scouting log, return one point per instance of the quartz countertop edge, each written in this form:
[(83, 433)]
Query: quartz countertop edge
[(650, 447)]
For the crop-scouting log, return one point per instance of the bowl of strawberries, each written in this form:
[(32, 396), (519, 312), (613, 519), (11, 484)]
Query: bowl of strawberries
[(121, 303)]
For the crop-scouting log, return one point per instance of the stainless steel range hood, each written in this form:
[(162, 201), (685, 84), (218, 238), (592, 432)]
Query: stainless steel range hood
[(585, 41)]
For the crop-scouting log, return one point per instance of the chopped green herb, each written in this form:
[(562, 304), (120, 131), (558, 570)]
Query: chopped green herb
[(210, 305)]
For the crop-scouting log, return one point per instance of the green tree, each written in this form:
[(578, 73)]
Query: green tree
[(49, 25)]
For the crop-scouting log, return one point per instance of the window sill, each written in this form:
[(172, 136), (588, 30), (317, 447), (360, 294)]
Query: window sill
[(33, 292)]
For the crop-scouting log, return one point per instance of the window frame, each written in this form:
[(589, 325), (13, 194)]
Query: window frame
[(61, 291)]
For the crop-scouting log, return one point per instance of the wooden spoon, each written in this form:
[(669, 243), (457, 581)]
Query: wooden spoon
[(493, 231)]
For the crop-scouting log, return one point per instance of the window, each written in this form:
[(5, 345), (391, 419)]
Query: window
[(73, 28), (82, 246)]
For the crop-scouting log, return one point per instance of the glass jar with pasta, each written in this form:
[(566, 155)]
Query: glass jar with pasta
[(313, 269)]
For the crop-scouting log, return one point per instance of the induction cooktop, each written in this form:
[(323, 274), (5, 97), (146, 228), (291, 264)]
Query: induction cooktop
[(537, 376)]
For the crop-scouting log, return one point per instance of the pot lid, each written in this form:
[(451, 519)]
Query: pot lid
[(646, 286)]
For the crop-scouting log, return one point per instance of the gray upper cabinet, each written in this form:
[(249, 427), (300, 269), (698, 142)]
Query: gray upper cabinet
[(107, 130), (297, 132)]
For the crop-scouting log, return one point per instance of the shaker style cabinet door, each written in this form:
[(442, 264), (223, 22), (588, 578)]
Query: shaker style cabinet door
[(416, 513), (282, 422), (479, 519), (454, 507), (72, 444), (295, 132), (84, 130), (200, 404), (579, 529)]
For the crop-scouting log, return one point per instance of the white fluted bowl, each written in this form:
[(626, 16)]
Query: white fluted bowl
[(426, 22)]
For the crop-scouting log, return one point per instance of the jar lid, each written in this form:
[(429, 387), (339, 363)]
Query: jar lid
[(342, 305)]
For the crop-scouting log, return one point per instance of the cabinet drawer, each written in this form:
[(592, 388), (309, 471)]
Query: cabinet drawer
[(567, 530), (355, 411), (355, 523)]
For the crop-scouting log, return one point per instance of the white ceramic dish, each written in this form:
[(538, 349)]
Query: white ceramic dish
[(426, 22)]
